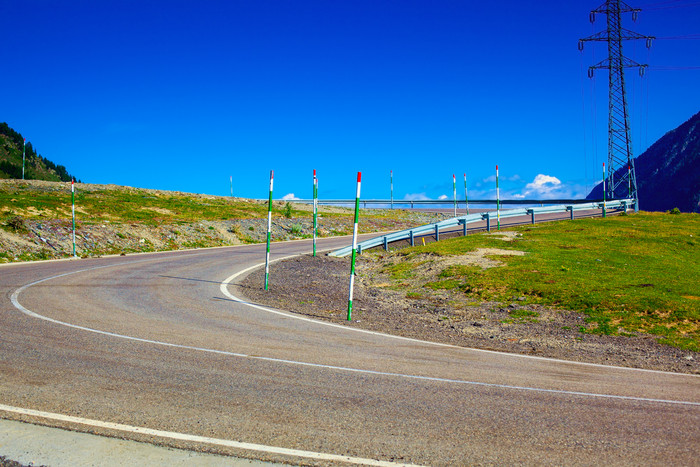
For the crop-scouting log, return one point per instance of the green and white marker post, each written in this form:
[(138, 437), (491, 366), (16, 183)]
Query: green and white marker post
[(454, 192), (466, 198), (498, 202), (354, 246), (269, 233), (72, 196), (315, 195), (604, 189), (24, 146), (391, 183)]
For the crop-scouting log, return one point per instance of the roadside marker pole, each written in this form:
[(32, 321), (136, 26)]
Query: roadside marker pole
[(498, 202), (466, 198), (231, 177), (354, 246), (603, 189), (454, 192), (269, 232), (315, 195), (24, 146), (72, 196), (391, 181)]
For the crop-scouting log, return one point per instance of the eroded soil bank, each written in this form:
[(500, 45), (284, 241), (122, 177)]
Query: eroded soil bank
[(318, 287)]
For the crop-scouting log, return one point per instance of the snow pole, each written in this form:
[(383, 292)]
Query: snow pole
[(354, 246), (24, 146), (466, 198), (72, 196), (498, 202), (603, 189), (454, 192), (269, 233), (315, 195), (391, 183)]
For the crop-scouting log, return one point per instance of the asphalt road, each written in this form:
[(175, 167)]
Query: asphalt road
[(124, 345)]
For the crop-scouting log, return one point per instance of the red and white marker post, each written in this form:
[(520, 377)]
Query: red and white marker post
[(454, 192), (72, 196), (498, 202), (354, 246), (315, 195), (466, 198), (269, 232)]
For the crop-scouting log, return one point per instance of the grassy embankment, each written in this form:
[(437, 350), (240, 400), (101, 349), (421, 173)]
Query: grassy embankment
[(174, 219), (628, 274)]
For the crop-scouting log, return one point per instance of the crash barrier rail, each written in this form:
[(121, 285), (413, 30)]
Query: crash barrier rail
[(447, 202), (434, 229)]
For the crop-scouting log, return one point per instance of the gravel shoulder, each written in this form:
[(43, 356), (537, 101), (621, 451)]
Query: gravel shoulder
[(318, 288)]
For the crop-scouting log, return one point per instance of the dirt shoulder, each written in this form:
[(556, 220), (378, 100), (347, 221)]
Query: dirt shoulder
[(318, 288)]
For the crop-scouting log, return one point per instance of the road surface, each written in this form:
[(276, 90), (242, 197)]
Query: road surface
[(156, 347)]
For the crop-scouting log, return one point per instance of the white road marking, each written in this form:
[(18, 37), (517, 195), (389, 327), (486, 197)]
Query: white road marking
[(195, 438), (20, 307)]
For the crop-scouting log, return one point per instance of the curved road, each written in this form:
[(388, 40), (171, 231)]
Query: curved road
[(156, 347)]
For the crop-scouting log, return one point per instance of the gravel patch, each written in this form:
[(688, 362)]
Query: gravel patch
[(318, 288)]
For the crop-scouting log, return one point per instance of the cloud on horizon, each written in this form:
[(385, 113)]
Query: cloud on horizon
[(289, 197)]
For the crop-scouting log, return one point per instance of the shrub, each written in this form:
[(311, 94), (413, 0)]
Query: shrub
[(675, 211), (16, 223), (288, 210)]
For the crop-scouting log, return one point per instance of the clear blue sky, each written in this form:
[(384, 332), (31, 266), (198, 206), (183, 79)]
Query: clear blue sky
[(180, 95)]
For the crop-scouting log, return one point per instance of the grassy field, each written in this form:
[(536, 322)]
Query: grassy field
[(628, 274), (95, 203), (35, 220)]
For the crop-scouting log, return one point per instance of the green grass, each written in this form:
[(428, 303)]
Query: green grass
[(628, 274)]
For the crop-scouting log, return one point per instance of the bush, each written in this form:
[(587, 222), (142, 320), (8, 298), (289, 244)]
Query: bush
[(17, 224), (674, 211), (288, 210)]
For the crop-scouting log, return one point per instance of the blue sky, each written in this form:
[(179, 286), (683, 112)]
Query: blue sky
[(180, 95)]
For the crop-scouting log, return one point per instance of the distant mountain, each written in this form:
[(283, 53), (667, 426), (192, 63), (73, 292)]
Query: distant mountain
[(36, 167), (668, 173)]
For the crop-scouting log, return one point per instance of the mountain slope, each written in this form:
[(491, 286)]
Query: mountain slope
[(36, 167), (668, 173)]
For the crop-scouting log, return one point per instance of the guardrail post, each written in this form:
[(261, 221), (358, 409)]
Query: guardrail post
[(437, 233), (386, 244), (532, 213), (571, 209), (411, 236), (411, 204), (487, 216), (464, 226)]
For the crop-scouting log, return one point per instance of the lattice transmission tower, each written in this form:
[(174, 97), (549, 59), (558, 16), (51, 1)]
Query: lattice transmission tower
[(621, 181)]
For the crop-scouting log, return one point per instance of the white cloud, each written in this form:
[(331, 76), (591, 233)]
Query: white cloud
[(415, 197), (289, 197), (442, 197), (550, 187), (491, 179), (543, 187)]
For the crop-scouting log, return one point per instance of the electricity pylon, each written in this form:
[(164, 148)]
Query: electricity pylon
[(620, 155)]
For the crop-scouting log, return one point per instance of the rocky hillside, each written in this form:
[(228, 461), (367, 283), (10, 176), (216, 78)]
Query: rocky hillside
[(36, 167), (35, 220), (668, 173)]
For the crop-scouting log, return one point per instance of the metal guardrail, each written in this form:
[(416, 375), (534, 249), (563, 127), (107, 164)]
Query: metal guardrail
[(446, 202), (410, 234)]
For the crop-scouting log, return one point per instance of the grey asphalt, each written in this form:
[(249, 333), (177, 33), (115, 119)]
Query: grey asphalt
[(234, 372)]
